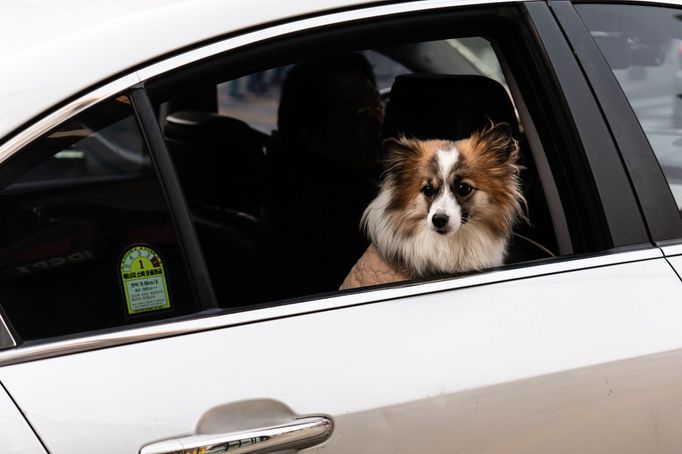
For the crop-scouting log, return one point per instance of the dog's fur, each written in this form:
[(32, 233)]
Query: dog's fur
[(470, 186)]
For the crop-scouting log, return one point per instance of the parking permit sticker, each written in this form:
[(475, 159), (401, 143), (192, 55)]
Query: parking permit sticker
[(144, 280)]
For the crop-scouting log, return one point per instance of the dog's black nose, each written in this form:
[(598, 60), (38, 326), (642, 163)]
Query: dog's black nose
[(439, 220)]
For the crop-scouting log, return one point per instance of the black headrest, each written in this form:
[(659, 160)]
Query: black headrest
[(208, 128), (446, 106)]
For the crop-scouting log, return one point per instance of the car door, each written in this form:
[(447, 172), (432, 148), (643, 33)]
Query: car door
[(16, 433), (576, 353)]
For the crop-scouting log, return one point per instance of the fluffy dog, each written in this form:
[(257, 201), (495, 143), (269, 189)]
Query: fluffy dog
[(443, 207)]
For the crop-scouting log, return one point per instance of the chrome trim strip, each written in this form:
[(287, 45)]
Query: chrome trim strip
[(341, 300), (56, 118)]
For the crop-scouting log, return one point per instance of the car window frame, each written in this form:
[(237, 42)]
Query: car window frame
[(140, 91), (649, 183), (614, 187)]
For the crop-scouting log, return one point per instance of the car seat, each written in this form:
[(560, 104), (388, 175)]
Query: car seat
[(220, 160)]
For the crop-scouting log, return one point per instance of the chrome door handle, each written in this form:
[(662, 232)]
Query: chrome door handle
[(298, 434)]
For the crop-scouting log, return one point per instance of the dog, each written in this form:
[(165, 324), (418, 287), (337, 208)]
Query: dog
[(443, 207)]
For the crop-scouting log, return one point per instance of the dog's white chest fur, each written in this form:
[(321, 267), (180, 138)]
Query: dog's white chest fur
[(427, 252)]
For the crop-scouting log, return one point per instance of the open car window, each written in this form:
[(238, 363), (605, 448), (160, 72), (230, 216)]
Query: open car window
[(267, 213)]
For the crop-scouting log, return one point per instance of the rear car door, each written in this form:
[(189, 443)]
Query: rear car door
[(579, 352)]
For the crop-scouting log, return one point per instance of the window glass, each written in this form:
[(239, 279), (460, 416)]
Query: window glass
[(86, 240), (643, 46)]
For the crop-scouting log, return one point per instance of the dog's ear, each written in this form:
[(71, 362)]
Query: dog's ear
[(497, 139), (396, 153), (401, 145)]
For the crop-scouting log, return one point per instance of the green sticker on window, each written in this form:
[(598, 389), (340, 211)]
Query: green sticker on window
[(144, 280)]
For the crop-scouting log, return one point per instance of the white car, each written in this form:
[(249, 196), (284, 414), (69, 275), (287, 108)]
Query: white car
[(169, 275)]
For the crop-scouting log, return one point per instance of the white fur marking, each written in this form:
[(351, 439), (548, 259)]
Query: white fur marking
[(446, 204), (446, 161)]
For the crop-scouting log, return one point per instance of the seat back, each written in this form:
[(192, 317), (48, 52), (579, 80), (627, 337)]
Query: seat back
[(446, 106), (220, 160)]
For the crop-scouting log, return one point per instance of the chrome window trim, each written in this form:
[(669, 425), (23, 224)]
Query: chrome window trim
[(338, 301)]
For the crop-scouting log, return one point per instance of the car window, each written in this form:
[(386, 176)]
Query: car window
[(267, 212), (643, 47), (86, 240)]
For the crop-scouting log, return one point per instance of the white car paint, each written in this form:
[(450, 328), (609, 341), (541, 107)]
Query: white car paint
[(16, 436), (543, 340), (676, 263)]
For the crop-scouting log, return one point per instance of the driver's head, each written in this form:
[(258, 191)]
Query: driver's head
[(331, 108)]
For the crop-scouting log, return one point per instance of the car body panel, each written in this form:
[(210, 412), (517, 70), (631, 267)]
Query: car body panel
[(15, 433), (376, 370), (676, 263), (672, 250)]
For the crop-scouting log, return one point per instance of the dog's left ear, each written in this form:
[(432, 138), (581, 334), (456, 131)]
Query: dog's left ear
[(497, 138)]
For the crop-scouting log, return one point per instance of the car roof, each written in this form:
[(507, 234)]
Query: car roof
[(51, 50)]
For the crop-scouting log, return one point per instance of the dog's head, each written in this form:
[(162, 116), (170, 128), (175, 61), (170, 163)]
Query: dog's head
[(461, 195), (441, 185)]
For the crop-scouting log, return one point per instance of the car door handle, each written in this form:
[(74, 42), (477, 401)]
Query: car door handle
[(298, 434)]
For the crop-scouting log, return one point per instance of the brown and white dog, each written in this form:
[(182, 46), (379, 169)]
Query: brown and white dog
[(444, 207)]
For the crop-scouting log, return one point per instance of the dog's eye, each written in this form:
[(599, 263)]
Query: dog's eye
[(464, 189), (428, 190)]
